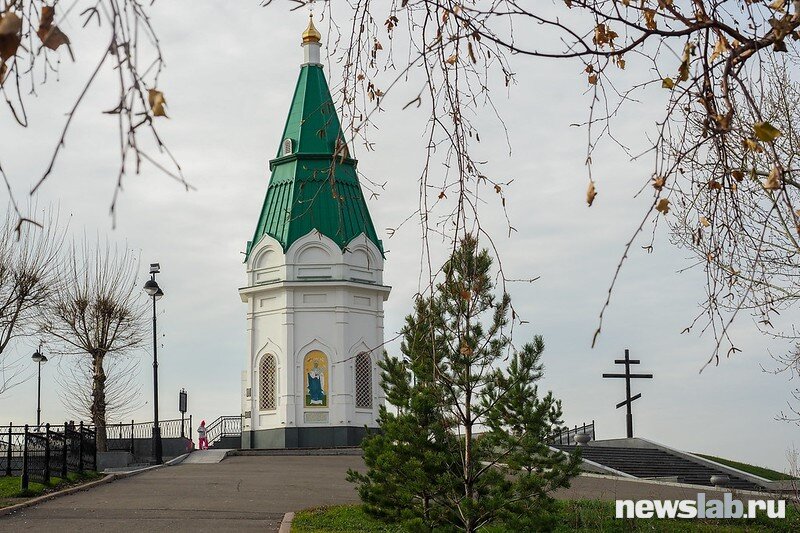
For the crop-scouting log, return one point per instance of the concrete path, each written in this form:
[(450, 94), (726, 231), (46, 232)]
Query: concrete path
[(248, 493), (204, 457), (237, 494)]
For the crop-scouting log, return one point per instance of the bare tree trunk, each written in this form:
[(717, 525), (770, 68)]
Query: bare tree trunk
[(97, 313), (99, 399)]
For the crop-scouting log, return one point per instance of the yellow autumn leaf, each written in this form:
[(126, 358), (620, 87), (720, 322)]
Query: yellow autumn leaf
[(720, 48), (157, 102), (752, 145), (766, 132), (659, 182), (667, 83), (704, 221), (650, 19), (778, 5), (773, 181), (663, 206)]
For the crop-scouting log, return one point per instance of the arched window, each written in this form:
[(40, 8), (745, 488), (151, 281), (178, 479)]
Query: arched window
[(267, 383), (287, 147), (363, 381)]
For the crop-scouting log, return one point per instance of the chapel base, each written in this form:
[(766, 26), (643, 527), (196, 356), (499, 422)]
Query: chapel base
[(304, 437)]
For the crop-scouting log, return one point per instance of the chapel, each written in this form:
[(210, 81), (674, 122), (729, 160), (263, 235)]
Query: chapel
[(314, 289)]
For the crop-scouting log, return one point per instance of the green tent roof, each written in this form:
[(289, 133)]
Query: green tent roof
[(315, 186)]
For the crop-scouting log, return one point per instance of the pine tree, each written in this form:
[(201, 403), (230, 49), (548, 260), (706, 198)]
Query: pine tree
[(467, 445)]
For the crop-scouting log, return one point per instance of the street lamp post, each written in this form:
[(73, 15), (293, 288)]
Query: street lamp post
[(155, 292), (39, 358)]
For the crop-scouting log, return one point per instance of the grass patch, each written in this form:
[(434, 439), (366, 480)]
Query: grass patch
[(766, 473), (11, 492), (573, 515), (339, 519)]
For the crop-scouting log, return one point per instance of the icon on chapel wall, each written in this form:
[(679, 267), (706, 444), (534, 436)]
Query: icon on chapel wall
[(316, 374)]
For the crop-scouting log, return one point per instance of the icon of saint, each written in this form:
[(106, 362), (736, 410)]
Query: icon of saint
[(316, 385)]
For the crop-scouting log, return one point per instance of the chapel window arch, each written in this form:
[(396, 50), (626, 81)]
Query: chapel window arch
[(268, 383), (363, 373)]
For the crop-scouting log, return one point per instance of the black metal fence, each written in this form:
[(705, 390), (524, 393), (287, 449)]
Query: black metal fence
[(38, 453), (123, 436), (566, 436)]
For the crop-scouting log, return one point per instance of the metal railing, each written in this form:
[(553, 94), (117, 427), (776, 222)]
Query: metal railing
[(37, 453), (122, 436), (224, 426), (566, 435)]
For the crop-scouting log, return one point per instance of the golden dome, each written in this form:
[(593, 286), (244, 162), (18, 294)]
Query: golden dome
[(311, 35)]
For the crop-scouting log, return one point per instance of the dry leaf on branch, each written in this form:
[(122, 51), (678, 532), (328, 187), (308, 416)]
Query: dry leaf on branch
[(50, 35), (591, 193), (10, 25), (773, 181), (663, 206), (157, 102), (720, 48), (766, 132)]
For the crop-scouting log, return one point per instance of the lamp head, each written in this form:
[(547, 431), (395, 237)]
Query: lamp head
[(151, 287)]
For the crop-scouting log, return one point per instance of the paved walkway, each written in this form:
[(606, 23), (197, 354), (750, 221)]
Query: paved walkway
[(204, 457), (238, 494), (247, 493)]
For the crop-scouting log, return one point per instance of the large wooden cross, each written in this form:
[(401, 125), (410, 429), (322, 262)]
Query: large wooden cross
[(628, 376)]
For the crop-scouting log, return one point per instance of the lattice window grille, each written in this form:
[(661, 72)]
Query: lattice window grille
[(267, 384), (363, 381)]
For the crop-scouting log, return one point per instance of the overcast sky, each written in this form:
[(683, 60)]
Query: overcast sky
[(228, 84)]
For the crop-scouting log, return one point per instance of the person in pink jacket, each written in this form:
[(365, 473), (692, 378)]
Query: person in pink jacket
[(202, 439)]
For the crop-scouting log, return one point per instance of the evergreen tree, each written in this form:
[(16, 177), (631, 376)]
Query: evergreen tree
[(466, 446)]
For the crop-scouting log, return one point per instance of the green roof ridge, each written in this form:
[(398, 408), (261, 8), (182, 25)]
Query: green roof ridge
[(313, 187)]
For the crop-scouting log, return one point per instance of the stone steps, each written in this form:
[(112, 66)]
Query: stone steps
[(653, 464)]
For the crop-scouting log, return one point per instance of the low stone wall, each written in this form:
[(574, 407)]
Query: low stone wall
[(143, 448), (113, 459)]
